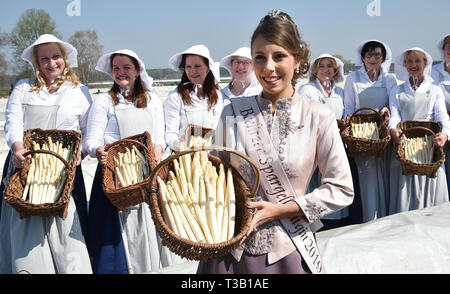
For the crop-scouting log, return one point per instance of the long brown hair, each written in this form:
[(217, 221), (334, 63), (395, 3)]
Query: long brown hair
[(68, 74), (278, 28), (209, 85), (139, 95)]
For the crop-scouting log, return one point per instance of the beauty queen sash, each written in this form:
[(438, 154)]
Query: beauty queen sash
[(274, 182)]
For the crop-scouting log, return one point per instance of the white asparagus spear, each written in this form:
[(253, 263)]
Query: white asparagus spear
[(231, 204), (171, 199), (220, 197), (211, 209), (199, 237), (29, 180), (186, 226), (167, 212), (201, 218)]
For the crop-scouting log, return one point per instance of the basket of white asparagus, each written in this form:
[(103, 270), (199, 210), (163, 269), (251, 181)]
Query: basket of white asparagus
[(417, 153), (127, 170), (366, 134), (198, 203), (200, 134), (44, 185)]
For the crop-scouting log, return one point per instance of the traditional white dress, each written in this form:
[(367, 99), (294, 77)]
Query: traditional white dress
[(414, 191), (442, 78), (124, 242), (36, 244), (373, 174), (305, 136), (179, 115), (314, 91)]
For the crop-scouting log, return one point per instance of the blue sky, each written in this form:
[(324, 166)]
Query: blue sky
[(158, 29)]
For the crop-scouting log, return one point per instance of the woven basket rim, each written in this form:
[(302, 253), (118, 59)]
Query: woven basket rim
[(153, 202), (130, 195), (60, 206)]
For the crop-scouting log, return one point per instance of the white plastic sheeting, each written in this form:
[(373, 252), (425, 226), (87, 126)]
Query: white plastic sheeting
[(413, 242)]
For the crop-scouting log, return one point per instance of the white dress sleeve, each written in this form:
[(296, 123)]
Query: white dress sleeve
[(349, 95), (158, 121), (394, 109), (83, 120), (440, 110), (172, 115), (14, 113), (96, 124)]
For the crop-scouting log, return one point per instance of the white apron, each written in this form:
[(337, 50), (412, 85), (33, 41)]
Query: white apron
[(143, 249), (372, 171), (445, 87), (414, 191), (336, 104), (42, 245)]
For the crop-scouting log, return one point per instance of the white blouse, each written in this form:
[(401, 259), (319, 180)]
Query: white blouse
[(314, 90), (438, 71), (72, 113), (175, 114), (254, 89), (103, 127), (351, 92), (436, 111)]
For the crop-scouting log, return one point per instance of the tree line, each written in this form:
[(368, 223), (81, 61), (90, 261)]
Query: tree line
[(35, 22)]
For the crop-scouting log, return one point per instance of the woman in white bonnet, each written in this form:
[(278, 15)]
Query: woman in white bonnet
[(243, 81), (123, 242), (326, 71), (416, 99), (370, 87), (441, 77), (54, 99), (197, 100)]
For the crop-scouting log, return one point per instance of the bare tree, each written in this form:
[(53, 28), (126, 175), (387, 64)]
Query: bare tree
[(3, 62), (32, 23), (89, 51)]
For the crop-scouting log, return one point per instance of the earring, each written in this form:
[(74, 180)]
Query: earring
[(297, 70)]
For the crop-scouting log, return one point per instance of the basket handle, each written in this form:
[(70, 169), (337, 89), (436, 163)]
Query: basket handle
[(212, 148), (130, 141), (365, 108), (420, 128), (48, 152)]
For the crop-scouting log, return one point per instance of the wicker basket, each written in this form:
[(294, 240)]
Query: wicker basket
[(202, 251), (131, 195), (341, 124), (193, 130), (424, 169), (435, 126), (363, 146), (16, 185)]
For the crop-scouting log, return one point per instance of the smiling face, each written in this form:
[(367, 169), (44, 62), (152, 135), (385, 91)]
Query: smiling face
[(415, 63), (241, 68), (326, 70), (196, 69), (274, 68), (124, 71), (373, 59), (50, 61), (447, 51)]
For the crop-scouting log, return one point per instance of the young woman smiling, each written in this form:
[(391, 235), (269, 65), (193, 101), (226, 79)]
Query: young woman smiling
[(284, 122), (416, 99), (54, 99)]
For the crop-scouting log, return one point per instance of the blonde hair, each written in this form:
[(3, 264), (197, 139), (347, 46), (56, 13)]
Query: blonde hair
[(315, 68), (419, 53), (68, 74)]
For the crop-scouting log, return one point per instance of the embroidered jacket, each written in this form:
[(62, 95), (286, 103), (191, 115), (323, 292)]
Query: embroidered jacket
[(306, 136)]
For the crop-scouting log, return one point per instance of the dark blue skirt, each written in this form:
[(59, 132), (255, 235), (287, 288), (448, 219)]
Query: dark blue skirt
[(78, 194), (104, 238)]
